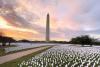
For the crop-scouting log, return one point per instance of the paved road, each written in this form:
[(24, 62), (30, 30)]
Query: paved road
[(13, 56)]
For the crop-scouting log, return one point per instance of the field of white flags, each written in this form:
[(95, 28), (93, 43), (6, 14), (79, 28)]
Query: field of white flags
[(65, 56), (21, 46)]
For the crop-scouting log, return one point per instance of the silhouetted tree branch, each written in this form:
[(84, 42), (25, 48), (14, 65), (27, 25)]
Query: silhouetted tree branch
[(4, 40)]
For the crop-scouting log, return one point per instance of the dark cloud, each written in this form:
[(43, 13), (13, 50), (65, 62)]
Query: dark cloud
[(21, 20)]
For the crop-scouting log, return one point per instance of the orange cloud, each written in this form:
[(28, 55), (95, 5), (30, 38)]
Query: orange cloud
[(34, 6), (3, 22), (15, 32), (18, 35)]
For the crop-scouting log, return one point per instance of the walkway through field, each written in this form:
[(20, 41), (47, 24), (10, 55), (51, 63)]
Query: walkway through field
[(13, 56)]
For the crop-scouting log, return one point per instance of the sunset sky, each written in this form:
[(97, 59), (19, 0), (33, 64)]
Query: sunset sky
[(26, 19)]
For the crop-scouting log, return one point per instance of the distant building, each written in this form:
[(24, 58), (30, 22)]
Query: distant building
[(48, 28)]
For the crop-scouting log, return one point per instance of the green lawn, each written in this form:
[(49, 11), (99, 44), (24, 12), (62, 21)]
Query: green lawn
[(7, 46), (2, 51), (15, 62)]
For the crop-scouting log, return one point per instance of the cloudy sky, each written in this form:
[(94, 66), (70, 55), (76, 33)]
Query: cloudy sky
[(26, 19)]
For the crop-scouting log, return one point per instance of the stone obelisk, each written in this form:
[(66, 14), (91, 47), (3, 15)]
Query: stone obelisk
[(48, 28)]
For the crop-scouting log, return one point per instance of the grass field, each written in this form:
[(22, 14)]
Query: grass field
[(60, 56), (2, 50), (14, 63), (65, 56)]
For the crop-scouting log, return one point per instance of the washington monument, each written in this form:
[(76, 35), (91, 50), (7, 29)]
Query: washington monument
[(48, 28)]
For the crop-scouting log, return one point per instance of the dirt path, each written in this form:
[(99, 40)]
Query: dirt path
[(13, 56)]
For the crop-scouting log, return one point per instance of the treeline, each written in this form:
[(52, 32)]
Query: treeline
[(8, 40), (84, 40), (4, 40), (63, 42)]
